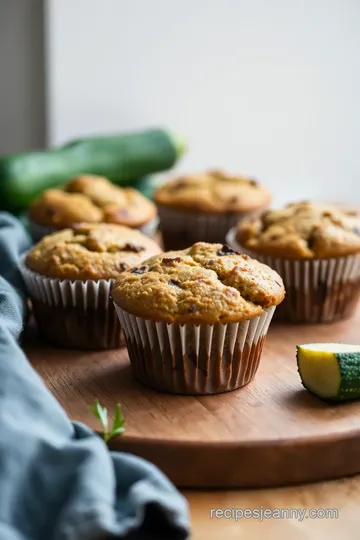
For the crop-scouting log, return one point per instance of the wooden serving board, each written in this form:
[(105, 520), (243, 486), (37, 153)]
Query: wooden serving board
[(272, 432)]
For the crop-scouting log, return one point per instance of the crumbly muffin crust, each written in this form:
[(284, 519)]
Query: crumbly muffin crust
[(55, 208), (90, 251), (213, 191), (204, 284), (302, 230), (91, 199)]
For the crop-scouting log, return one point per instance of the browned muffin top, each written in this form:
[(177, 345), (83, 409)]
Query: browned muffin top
[(91, 199), (213, 191), (204, 284), (90, 251), (302, 230)]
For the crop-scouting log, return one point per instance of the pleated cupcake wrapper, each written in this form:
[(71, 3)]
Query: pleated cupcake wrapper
[(39, 231), (151, 228), (74, 313), (181, 229), (320, 290), (194, 359)]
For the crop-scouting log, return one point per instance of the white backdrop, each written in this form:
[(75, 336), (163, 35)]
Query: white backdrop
[(265, 87)]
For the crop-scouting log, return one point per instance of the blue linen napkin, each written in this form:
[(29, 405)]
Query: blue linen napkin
[(58, 481)]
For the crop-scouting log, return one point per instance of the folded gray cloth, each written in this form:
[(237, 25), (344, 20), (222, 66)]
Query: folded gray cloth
[(58, 481)]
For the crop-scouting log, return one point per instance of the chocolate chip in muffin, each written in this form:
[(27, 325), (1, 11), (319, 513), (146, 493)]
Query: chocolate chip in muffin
[(50, 211), (133, 247), (234, 199), (227, 250), (262, 222), (140, 270), (174, 283), (253, 182), (179, 185), (123, 266), (171, 260), (191, 309), (311, 239)]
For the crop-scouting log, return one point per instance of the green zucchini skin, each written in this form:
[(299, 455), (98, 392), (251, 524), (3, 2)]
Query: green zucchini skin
[(349, 365), (121, 158), (148, 185)]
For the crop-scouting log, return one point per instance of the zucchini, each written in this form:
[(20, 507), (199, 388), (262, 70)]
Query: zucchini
[(331, 371), (148, 185), (121, 158)]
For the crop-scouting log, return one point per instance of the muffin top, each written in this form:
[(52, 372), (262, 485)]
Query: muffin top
[(213, 191), (302, 230), (90, 251), (203, 284), (91, 199)]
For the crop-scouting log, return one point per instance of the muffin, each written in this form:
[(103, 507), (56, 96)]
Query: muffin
[(69, 274), (91, 199), (204, 206), (195, 320), (316, 249)]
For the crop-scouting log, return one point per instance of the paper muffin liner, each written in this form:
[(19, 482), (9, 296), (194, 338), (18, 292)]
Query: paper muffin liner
[(150, 228), (317, 290), (194, 359), (74, 314), (37, 231), (182, 229)]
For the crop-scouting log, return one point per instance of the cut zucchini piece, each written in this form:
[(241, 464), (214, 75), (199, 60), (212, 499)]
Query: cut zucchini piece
[(331, 371)]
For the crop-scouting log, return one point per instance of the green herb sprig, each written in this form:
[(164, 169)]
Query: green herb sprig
[(101, 414)]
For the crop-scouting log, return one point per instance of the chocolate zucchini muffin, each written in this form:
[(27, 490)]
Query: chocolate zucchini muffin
[(69, 275), (195, 320), (316, 249), (205, 206), (90, 199)]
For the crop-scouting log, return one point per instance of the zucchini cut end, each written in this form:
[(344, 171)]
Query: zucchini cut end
[(319, 370), (179, 143)]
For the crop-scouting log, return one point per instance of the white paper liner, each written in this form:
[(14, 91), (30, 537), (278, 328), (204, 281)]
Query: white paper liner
[(320, 290), (194, 359), (83, 312), (182, 229), (150, 228), (39, 231)]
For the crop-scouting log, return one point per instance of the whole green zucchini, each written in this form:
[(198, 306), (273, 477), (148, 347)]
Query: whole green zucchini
[(121, 158)]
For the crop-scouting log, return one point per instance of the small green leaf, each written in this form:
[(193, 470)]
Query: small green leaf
[(100, 413), (118, 420), (117, 431), (114, 433)]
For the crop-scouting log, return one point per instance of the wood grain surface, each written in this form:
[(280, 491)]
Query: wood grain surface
[(270, 433)]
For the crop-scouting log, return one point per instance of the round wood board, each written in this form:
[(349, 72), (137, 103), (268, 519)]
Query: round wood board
[(272, 432)]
